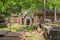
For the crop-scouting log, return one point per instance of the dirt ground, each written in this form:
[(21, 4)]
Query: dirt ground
[(33, 35)]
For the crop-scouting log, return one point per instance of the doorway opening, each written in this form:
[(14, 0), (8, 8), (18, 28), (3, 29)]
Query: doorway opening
[(27, 21)]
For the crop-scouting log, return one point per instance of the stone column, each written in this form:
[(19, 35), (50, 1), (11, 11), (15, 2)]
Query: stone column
[(30, 21), (24, 21)]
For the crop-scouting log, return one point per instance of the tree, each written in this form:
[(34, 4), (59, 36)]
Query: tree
[(55, 18), (9, 6), (29, 5), (54, 5), (44, 8)]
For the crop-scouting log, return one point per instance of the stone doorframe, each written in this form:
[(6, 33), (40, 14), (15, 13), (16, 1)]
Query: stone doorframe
[(25, 20)]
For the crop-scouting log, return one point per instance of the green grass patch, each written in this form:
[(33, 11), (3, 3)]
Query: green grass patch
[(28, 28), (16, 27)]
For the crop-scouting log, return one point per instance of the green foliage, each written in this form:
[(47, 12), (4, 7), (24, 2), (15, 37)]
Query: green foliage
[(28, 14), (52, 3), (15, 6), (16, 27), (28, 28)]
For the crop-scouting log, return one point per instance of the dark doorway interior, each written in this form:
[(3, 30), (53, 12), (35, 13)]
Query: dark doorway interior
[(27, 21), (22, 21)]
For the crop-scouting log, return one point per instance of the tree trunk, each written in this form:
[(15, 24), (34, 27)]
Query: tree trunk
[(55, 16), (44, 10)]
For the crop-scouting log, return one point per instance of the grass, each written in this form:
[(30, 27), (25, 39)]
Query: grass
[(13, 28), (28, 28), (16, 27), (2, 28)]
